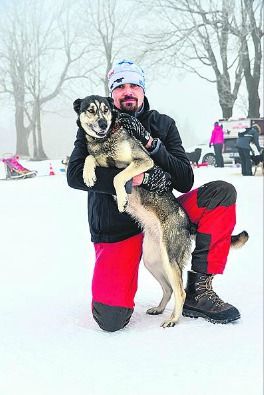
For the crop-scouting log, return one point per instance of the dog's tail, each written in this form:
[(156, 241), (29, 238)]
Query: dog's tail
[(239, 240)]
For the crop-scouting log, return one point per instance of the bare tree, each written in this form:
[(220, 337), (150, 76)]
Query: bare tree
[(29, 45), (197, 37), (249, 31), (70, 49), (110, 35), (14, 62)]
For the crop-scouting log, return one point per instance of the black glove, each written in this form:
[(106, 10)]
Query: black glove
[(134, 127), (157, 180)]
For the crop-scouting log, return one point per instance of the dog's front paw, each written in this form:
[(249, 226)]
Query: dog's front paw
[(154, 311), (168, 323), (89, 178), (122, 203)]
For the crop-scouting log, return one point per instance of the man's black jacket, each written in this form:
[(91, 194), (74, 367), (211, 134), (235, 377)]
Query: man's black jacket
[(250, 135), (106, 223)]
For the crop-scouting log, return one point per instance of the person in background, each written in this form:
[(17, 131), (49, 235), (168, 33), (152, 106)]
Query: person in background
[(117, 237), (250, 135), (217, 140)]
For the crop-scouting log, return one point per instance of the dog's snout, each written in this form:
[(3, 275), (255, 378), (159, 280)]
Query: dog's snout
[(102, 124)]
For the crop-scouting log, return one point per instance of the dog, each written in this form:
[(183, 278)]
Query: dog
[(167, 229), (65, 162), (258, 161), (194, 156)]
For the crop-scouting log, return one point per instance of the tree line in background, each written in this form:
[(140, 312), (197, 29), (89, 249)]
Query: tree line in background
[(47, 50), (220, 41)]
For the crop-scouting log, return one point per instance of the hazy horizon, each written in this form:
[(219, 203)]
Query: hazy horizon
[(190, 101)]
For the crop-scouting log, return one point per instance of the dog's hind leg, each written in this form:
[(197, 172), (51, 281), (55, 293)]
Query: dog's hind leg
[(174, 276), (152, 261)]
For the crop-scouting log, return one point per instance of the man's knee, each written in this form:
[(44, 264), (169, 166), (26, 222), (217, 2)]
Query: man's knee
[(111, 318), (216, 193)]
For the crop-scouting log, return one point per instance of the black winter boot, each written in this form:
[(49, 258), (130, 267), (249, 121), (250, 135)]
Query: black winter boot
[(202, 301)]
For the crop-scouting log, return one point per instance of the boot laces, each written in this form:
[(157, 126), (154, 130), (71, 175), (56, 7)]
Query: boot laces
[(207, 291)]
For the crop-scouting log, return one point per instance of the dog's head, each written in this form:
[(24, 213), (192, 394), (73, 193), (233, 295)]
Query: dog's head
[(256, 159), (95, 115)]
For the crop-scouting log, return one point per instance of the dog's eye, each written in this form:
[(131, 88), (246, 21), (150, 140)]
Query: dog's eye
[(91, 110), (105, 110)]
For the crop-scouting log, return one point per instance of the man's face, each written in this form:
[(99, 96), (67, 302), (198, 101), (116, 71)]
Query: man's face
[(128, 97)]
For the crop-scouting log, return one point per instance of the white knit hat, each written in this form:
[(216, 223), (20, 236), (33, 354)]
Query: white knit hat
[(125, 72)]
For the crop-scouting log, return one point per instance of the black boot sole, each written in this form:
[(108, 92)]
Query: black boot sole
[(198, 314)]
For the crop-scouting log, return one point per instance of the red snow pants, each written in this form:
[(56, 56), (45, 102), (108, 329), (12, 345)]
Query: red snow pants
[(210, 207)]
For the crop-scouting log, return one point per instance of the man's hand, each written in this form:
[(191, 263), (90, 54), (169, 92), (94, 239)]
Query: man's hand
[(154, 180), (135, 128)]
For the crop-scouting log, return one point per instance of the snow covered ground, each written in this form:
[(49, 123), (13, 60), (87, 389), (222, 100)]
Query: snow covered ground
[(49, 343)]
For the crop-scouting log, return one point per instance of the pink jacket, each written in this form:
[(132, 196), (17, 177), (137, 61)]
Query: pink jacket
[(217, 135)]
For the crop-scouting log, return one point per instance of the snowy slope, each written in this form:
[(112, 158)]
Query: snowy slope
[(49, 343)]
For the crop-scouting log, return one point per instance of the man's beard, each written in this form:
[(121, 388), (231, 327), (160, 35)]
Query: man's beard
[(129, 108)]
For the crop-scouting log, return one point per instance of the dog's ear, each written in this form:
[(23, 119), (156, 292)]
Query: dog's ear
[(111, 102), (77, 105), (113, 110)]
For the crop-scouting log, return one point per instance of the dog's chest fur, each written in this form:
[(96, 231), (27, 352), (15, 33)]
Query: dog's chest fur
[(114, 151)]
